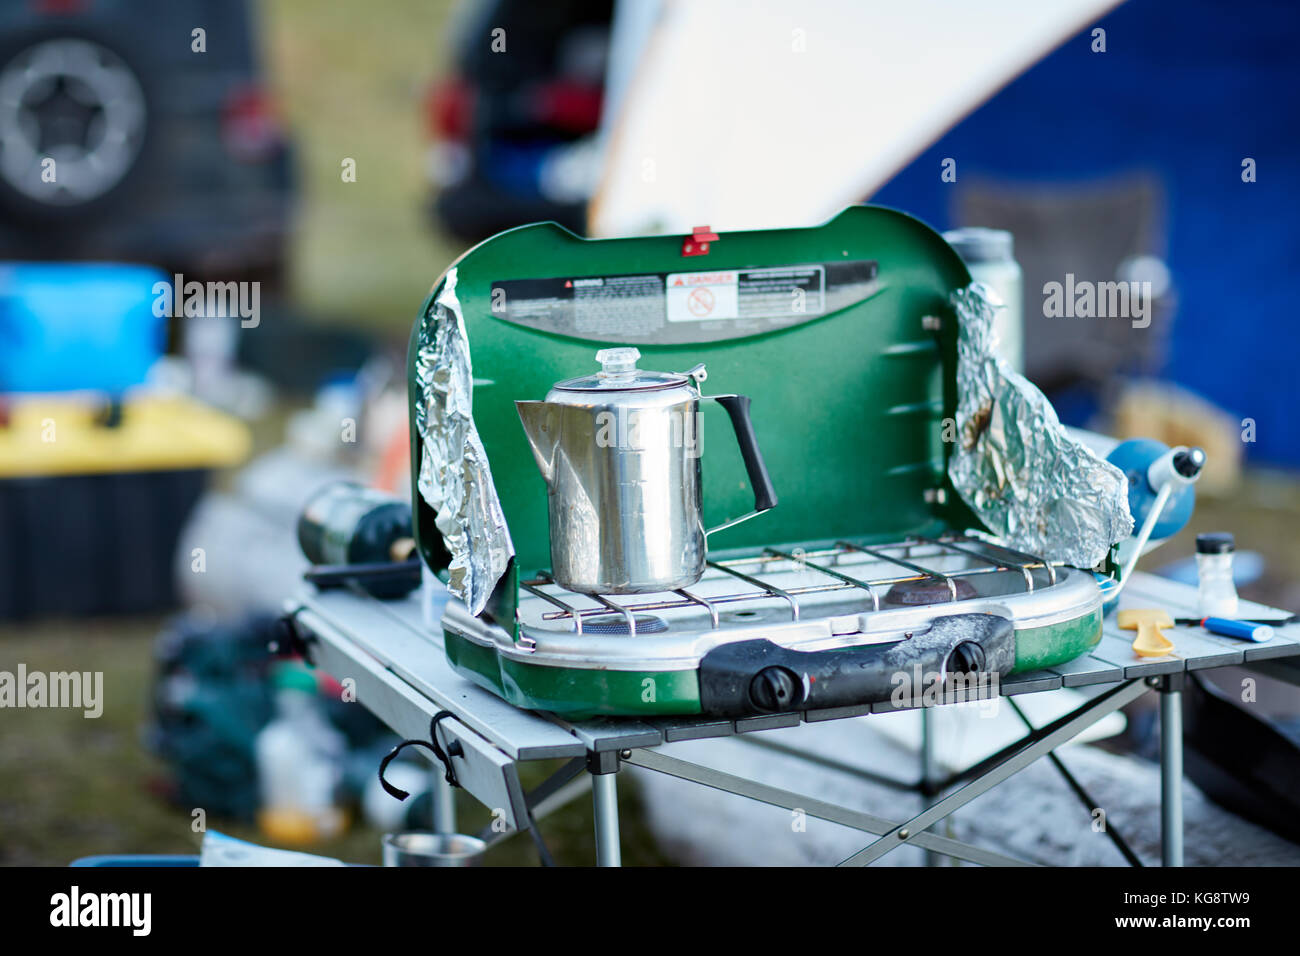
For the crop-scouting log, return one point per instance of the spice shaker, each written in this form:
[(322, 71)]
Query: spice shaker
[(1216, 591)]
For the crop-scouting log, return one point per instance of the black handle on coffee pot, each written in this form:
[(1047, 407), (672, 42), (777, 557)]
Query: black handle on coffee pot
[(737, 407)]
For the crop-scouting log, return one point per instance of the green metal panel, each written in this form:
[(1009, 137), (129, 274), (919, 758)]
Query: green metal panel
[(576, 692), (847, 406), (1052, 644), (582, 692)]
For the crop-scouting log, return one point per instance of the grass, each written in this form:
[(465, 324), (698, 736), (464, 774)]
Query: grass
[(350, 81), (73, 787)]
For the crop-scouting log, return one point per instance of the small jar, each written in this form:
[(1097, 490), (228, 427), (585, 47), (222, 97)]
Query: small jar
[(1216, 591), (989, 254)]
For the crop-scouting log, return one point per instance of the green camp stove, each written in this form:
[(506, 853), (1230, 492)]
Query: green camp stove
[(869, 577)]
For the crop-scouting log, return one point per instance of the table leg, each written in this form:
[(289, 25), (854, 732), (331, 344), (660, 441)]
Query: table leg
[(604, 798), (928, 772), (991, 771), (1171, 776), (444, 802)]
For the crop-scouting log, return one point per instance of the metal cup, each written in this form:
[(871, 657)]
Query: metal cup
[(432, 849)]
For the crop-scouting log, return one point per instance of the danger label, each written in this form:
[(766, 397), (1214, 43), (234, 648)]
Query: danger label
[(680, 307), (745, 293)]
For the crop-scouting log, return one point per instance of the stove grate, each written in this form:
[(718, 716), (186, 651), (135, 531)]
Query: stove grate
[(992, 558)]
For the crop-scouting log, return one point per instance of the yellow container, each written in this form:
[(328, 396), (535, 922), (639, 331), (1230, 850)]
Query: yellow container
[(64, 435)]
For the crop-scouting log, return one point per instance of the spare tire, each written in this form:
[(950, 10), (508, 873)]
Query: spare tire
[(73, 101)]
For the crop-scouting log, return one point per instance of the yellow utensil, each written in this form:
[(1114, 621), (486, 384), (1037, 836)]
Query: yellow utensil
[(1147, 621)]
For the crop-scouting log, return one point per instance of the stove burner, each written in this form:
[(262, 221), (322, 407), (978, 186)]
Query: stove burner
[(929, 591), (617, 624)]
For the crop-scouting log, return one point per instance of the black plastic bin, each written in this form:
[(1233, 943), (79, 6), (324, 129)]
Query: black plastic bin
[(92, 504)]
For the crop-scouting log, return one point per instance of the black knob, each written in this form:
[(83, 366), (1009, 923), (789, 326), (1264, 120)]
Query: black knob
[(966, 658), (1190, 462), (774, 689), (287, 638)]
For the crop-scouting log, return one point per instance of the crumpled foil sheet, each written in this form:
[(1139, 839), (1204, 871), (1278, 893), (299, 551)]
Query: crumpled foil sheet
[(1035, 487), (455, 479)]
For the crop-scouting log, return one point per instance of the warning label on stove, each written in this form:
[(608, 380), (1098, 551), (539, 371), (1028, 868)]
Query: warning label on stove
[(589, 305), (753, 293), (680, 307)]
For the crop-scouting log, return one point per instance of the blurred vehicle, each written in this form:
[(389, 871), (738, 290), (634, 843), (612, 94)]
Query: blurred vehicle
[(514, 123), (164, 143)]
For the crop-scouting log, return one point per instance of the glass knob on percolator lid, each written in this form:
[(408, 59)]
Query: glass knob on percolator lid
[(618, 364)]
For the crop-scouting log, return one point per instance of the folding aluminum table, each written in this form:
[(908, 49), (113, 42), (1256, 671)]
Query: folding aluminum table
[(386, 654)]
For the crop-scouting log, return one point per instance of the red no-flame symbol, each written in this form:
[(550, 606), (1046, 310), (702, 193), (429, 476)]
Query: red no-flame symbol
[(700, 302)]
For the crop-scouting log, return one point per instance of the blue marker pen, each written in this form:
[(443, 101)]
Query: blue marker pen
[(1242, 629)]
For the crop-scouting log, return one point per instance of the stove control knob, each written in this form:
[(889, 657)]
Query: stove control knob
[(774, 690), (966, 658)]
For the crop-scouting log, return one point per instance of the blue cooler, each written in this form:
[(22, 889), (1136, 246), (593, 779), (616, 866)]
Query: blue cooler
[(70, 326)]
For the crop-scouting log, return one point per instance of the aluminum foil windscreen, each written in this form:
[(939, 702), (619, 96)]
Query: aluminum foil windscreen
[(1015, 466), (455, 480)]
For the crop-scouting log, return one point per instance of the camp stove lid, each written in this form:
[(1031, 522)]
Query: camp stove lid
[(874, 344)]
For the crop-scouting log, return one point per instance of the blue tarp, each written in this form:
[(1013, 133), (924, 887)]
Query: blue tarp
[(1184, 91)]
